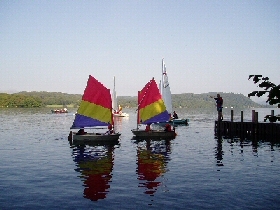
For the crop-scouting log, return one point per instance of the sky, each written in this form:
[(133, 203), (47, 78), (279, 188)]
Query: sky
[(207, 46)]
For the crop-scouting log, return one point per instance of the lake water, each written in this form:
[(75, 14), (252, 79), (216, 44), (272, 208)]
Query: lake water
[(41, 170)]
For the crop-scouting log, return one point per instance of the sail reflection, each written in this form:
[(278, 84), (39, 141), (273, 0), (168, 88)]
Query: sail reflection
[(152, 159), (95, 164)]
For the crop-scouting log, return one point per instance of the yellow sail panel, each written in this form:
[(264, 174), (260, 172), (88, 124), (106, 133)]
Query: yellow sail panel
[(95, 111), (152, 110)]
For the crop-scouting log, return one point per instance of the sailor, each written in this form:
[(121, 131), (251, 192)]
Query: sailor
[(148, 127), (120, 109), (175, 115), (81, 132), (110, 130), (168, 128)]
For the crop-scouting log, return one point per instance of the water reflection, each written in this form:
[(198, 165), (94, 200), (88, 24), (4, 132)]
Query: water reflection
[(95, 164), (219, 151), (152, 159), (118, 123)]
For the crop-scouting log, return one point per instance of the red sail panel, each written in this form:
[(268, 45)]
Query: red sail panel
[(96, 93), (149, 94)]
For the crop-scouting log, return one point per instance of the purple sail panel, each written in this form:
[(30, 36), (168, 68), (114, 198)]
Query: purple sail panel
[(162, 117), (82, 121)]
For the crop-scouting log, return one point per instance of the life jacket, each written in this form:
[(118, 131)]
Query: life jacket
[(220, 102), (167, 127), (148, 128)]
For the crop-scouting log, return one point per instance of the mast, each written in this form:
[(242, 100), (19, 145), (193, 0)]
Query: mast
[(114, 100), (162, 70)]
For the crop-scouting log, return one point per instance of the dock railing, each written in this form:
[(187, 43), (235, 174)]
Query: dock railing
[(253, 130)]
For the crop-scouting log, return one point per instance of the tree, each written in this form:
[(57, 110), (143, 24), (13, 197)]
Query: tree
[(269, 87)]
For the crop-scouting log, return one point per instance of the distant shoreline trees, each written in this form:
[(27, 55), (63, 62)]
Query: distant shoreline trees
[(38, 99), (20, 101), (184, 100)]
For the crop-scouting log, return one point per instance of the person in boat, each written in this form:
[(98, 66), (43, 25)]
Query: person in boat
[(148, 127), (219, 104), (175, 115), (120, 109), (167, 128), (110, 130), (81, 132)]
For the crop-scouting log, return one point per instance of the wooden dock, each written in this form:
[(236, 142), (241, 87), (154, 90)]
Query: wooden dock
[(251, 130)]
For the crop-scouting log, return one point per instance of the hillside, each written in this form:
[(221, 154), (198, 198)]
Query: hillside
[(191, 100), (185, 100)]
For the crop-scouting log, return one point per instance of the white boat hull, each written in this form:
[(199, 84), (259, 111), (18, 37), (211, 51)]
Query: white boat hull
[(121, 115)]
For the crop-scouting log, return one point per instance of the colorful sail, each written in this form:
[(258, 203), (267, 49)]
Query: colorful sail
[(151, 108), (96, 106)]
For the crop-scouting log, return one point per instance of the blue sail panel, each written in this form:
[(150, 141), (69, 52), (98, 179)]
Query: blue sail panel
[(162, 117), (82, 121)]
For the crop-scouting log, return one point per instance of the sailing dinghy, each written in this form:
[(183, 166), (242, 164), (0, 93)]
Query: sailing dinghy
[(95, 111), (152, 110), (166, 95)]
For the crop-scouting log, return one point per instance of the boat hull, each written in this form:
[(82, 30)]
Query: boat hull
[(154, 134), (59, 111), (175, 122), (95, 137), (121, 115), (180, 122)]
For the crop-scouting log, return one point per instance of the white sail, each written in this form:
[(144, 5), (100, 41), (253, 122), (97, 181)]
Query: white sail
[(165, 89), (114, 98)]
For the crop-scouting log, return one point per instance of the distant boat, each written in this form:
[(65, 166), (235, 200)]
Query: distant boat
[(152, 110), (95, 111), (59, 111), (117, 109), (166, 95)]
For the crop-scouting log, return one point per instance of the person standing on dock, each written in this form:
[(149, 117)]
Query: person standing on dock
[(219, 102)]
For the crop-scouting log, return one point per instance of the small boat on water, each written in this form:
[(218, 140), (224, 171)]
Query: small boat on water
[(95, 112), (120, 114), (176, 122), (180, 121), (59, 111), (166, 95), (152, 110), (117, 109)]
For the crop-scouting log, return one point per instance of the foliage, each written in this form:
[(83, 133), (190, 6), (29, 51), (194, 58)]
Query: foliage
[(39, 99), (55, 98), (191, 100), (269, 87), (18, 100), (185, 100)]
